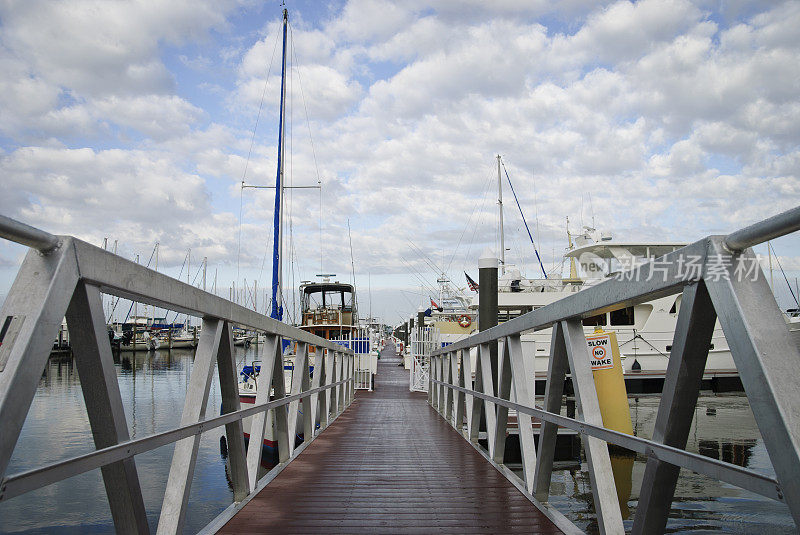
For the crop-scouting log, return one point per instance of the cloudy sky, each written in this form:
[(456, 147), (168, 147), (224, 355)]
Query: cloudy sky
[(138, 121)]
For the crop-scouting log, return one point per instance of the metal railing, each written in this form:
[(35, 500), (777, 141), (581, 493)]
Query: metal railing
[(63, 276), (720, 278), (424, 341)]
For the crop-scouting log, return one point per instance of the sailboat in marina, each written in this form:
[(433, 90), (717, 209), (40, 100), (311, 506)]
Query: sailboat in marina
[(645, 331), (248, 384), (328, 308)]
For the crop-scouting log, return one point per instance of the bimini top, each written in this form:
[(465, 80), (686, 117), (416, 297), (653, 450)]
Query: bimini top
[(314, 287)]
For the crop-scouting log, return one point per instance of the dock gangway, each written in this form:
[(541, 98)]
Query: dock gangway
[(720, 278), (64, 276)]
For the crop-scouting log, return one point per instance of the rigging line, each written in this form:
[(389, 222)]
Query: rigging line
[(352, 263), (463, 231), (311, 141), (784, 275), (196, 275), (479, 217), (421, 281), (418, 275), (133, 302), (430, 262), (292, 250), (305, 109), (249, 154), (525, 222), (425, 257), (535, 206), (407, 300), (435, 270), (412, 293), (114, 308)]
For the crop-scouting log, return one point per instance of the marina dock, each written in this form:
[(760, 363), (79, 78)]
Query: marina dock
[(389, 459), (389, 464)]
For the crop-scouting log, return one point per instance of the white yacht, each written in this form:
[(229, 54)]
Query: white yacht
[(645, 332)]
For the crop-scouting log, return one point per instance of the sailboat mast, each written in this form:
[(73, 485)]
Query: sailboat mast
[(500, 204), (277, 254)]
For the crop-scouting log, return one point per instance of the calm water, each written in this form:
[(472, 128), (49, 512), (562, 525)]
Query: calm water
[(723, 428), (153, 387)]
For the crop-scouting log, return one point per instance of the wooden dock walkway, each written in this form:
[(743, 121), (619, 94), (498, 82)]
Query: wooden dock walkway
[(389, 464)]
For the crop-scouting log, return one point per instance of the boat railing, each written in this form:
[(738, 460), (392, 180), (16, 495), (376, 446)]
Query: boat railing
[(720, 278), (64, 276)]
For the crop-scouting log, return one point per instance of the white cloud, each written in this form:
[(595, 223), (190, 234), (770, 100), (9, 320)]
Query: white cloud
[(661, 119)]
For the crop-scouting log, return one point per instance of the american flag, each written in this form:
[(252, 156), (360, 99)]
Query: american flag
[(471, 283)]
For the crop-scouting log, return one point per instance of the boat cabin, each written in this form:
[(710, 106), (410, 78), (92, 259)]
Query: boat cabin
[(328, 309)]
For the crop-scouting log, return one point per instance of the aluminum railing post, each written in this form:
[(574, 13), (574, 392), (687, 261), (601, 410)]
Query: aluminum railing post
[(604, 491), (687, 362), (271, 352), (447, 375), (554, 391), (458, 373), (351, 386), (327, 395), (314, 400), (433, 373), (487, 383), (36, 305), (299, 384), (281, 413), (524, 387), (184, 458), (340, 390), (503, 392), (335, 376), (95, 364), (767, 360), (474, 404), (234, 432)]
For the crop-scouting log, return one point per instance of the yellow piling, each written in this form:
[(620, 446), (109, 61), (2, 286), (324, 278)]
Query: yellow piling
[(609, 381)]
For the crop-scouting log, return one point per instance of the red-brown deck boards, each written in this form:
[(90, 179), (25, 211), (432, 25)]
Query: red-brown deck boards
[(390, 464)]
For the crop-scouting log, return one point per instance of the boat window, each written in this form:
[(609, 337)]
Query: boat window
[(623, 316), (504, 315), (595, 321)]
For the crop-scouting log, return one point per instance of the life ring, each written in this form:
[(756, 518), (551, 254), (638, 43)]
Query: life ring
[(464, 320)]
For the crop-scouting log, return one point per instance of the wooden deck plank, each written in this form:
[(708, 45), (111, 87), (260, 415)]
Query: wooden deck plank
[(390, 464)]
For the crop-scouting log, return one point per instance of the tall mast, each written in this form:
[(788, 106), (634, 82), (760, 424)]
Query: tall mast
[(277, 250), (500, 204)]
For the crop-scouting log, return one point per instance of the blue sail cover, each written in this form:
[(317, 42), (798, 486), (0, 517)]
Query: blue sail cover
[(277, 307)]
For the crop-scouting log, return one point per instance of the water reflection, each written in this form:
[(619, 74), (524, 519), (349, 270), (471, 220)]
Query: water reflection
[(622, 468), (153, 387), (723, 428)]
